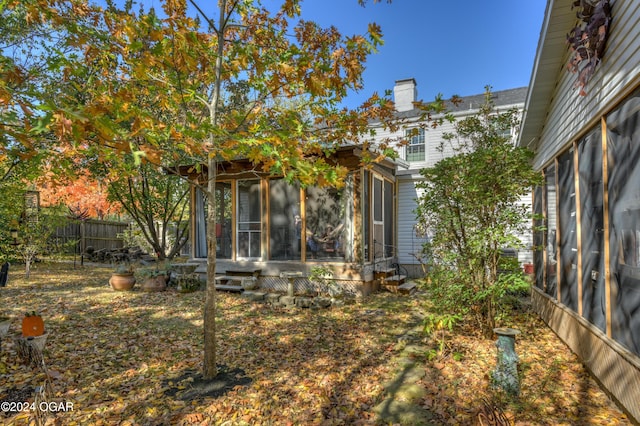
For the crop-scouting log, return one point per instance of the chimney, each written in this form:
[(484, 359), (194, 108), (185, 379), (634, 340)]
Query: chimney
[(405, 94)]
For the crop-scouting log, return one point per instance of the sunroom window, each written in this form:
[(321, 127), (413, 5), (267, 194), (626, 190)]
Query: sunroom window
[(249, 219), (285, 220), (329, 222)]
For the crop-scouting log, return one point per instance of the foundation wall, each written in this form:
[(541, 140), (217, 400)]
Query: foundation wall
[(617, 369)]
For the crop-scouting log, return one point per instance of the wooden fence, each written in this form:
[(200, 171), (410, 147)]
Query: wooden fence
[(76, 235)]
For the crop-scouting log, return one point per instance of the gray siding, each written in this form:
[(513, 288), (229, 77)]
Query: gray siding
[(409, 243), (569, 114)]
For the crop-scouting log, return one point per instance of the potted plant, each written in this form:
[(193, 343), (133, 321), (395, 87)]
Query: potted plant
[(329, 292), (153, 279), (321, 277), (122, 278)]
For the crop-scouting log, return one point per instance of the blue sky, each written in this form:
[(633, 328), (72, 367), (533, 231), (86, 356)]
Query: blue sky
[(448, 46)]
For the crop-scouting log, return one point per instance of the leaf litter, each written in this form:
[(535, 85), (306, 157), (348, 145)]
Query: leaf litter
[(134, 358)]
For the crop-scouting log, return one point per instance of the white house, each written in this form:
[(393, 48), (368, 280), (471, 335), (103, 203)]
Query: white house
[(422, 151)]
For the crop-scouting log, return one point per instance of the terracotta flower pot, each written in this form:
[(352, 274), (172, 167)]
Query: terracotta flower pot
[(152, 284), (122, 282), (528, 268)]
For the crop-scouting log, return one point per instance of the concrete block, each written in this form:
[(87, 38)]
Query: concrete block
[(288, 300)]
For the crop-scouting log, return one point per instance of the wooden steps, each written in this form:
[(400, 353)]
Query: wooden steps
[(224, 287), (384, 273), (407, 288), (395, 280), (229, 283), (237, 280), (390, 280)]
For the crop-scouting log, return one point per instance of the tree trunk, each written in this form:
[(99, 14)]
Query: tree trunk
[(210, 369), (27, 269)]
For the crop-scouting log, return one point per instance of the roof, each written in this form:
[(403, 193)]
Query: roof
[(501, 98), (550, 59)]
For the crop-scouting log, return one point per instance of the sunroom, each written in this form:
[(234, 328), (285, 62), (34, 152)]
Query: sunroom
[(271, 228)]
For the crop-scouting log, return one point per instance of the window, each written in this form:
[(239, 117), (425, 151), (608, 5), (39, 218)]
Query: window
[(567, 229), (249, 219), (538, 237), (592, 222), (285, 220), (200, 217), (623, 159), (329, 222), (366, 211), (416, 146), (383, 217), (388, 219), (223, 220)]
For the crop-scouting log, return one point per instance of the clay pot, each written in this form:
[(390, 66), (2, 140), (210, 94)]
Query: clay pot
[(152, 284), (122, 282)]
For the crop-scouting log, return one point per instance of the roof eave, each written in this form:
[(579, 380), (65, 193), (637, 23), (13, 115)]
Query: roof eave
[(548, 63)]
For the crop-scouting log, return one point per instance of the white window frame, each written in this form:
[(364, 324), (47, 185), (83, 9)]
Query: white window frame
[(416, 142)]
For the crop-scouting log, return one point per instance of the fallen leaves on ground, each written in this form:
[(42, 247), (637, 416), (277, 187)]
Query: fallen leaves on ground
[(120, 358), (555, 388)]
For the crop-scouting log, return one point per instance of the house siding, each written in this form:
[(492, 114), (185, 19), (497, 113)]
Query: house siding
[(591, 305), (570, 115), (409, 242)]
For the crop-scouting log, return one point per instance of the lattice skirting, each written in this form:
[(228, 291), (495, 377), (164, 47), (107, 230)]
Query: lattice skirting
[(304, 286)]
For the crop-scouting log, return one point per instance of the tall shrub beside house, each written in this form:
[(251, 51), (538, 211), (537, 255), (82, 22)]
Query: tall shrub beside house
[(470, 209)]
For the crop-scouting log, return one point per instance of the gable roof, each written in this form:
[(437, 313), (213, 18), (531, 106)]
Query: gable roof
[(550, 59), (501, 98)]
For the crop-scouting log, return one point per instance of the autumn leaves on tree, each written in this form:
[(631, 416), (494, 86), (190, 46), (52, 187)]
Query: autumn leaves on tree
[(193, 83)]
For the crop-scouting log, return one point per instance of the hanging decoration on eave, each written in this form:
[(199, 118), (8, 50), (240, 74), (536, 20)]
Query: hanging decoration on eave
[(587, 40)]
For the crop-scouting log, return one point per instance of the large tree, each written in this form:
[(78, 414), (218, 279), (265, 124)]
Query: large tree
[(471, 210), (196, 83), (83, 195), (158, 203), (187, 86)]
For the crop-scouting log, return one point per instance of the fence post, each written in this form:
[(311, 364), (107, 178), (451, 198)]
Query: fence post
[(83, 241)]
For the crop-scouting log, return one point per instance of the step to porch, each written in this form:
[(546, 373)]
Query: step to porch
[(229, 283), (224, 287), (407, 288), (384, 273), (397, 284), (394, 280)]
